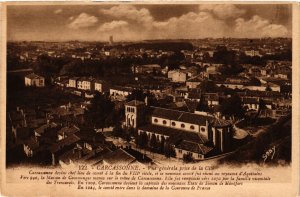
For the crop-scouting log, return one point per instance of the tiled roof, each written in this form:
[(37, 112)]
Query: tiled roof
[(174, 134), (119, 156), (193, 147), (180, 116)]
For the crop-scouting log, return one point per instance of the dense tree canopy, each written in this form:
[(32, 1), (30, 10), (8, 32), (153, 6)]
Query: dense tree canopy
[(99, 111), (233, 107)]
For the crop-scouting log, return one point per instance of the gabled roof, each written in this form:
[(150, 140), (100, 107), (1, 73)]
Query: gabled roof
[(180, 116)]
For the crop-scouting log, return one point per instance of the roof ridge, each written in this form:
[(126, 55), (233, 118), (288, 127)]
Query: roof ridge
[(179, 116), (200, 148), (127, 153), (178, 111)]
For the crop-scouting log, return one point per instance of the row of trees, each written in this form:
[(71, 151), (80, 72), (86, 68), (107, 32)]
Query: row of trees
[(155, 144), (51, 66)]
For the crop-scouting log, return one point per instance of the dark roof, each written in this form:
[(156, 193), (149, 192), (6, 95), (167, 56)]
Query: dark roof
[(98, 157), (15, 116), (191, 105), (174, 134), (119, 156), (180, 116), (64, 142), (194, 147), (248, 100), (41, 129), (68, 130), (74, 78)]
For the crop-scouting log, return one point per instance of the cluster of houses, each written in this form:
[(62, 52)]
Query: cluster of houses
[(53, 137)]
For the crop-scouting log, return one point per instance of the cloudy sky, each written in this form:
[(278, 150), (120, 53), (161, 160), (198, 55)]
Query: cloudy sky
[(139, 22)]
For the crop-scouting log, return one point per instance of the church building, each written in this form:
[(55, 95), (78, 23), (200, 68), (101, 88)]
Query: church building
[(195, 135)]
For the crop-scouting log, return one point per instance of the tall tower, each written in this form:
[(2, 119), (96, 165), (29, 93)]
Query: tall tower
[(111, 39), (134, 113), (222, 134)]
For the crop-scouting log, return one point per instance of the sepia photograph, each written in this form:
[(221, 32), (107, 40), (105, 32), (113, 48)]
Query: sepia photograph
[(191, 88)]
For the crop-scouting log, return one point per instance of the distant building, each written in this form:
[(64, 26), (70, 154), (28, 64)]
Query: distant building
[(34, 80), (73, 82), (177, 76), (111, 39), (119, 93), (253, 53), (148, 68), (100, 86), (85, 84)]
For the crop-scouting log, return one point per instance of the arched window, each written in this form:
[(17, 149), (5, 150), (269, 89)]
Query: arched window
[(192, 127), (155, 120), (164, 122), (202, 129), (182, 125), (173, 124)]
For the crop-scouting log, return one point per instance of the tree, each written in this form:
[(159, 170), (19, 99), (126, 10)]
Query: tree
[(143, 139), (261, 106), (99, 110), (136, 94), (187, 157), (162, 144), (202, 105), (169, 150), (207, 86), (117, 130), (153, 142), (268, 88), (233, 107)]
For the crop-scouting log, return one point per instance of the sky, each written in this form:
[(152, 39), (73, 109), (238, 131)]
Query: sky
[(134, 22)]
